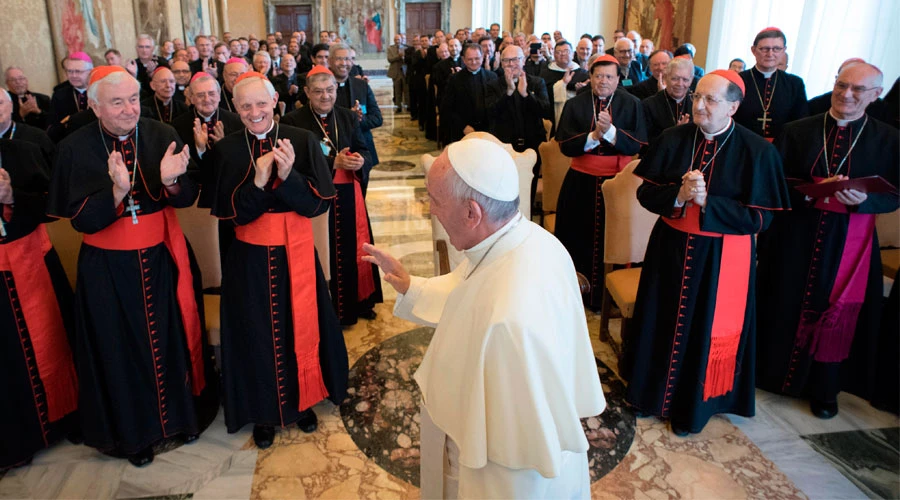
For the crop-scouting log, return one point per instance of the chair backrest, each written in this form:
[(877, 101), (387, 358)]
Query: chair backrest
[(548, 126), (524, 164), (554, 166), (628, 224), (202, 232), (67, 243), (888, 227), (322, 242)]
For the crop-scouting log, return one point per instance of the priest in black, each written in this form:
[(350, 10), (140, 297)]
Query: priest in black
[(655, 82), (601, 131), (517, 104), (563, 78), (878, 109), (463, 105), (673, 105), (138, 330), (774, 97), (161, 105), (355, 284), (282, 347), (820, 296), (39, 383), (29, 107), (714, 184), (440, 75), (356, 95), (232, 69), (18, 131), (70, 96)]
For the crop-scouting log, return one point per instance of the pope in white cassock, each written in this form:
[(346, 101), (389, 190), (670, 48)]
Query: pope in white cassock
[(510, 371)]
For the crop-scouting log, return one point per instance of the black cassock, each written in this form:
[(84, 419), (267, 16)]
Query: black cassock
[(355, 284), (24, 132), (65, 102), (35, 316), (138, 361), (662, 112), (355, 89), (666, 357), (260, 361), (463, 102), (783, 95), (799, 259), (580, 212), (151, 107)]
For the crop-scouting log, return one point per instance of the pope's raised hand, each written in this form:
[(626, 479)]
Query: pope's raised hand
[(394, 272), (173, 164)]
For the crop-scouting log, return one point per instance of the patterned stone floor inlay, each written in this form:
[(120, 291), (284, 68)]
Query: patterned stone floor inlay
[(381, 413), (870, 458), (395, 165)]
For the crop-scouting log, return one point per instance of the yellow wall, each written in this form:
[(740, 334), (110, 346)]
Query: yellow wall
[(24, 42), (461, 15), (700, 30), (246, 17)]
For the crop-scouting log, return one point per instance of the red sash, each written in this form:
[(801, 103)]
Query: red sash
[(600, 166), (24, 258), (770, 139), (731, 302), (365, 277), (829, 335), (294, 232), (153, 229)]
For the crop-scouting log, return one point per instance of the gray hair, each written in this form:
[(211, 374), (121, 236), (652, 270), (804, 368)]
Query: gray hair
[(144, 36), (334, 47), (113, 79), (248, 81), (319, 77), (263, 54), (680, 64), (11, 68), (494, 210), (204, 78)]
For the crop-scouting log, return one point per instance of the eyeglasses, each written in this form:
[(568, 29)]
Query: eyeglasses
[(511, 60), (321, 92), (625, 52), (707, 99), (766, 50), (77, 71), (841, 87), (343, 59)]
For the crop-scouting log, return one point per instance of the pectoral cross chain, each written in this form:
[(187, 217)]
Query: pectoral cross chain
[(133, 209)]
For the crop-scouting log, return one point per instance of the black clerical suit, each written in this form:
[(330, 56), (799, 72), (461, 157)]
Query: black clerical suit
[(464, 102), (34, 135), (41, 119), (518, 120), (153, 108), (65, 102), (662, 112), (348, 93), (782, 94)]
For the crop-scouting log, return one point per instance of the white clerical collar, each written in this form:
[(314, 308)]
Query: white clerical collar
[(764, 73), (123, 137), (264, 134), (477, 252), (556, 67), (206, 119), (475, 72), (840, 123), (81, 91), (709, 137)]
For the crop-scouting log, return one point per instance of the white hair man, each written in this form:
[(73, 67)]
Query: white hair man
[(29, 107), (820, 275), (146, 61), (518, 354), (162, 105), (270, 180), (672, 105), (119, 182), (630, 72)]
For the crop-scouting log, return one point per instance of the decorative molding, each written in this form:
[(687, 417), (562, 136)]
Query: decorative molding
[(445, 14), (315, 16)]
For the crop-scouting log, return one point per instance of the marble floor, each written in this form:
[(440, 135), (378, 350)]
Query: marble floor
[(783, 452)]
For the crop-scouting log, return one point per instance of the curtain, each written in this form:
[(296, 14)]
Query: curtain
[(821, 34), (571, 17), (487, 12)]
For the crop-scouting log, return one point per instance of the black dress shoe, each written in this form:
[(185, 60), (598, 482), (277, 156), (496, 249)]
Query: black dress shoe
[(263, 436), (190, 438), (308, 421), (678, 430), (368, 314), (142, 458), (823, 410), (75, 436)]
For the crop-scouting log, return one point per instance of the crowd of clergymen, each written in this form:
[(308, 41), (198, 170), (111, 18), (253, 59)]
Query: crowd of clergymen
[(132, 331)]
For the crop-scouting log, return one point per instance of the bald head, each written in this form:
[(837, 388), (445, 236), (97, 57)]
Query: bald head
[(4, 95), (624, 51), (5, 110), (857, 86), (513, 60), (163, 84)]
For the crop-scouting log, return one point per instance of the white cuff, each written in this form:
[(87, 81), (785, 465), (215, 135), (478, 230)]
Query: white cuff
[(590, 143), (678, 204), (610, 135), (406, 301)]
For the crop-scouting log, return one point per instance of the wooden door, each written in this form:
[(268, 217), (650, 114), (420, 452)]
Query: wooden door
[(291, 18), (422, 18)]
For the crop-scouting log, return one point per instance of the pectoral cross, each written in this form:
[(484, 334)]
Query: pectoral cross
[(764, 119), (133, 209), (2, 229)]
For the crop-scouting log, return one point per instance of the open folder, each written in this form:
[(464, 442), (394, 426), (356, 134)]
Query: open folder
[(871, 184)]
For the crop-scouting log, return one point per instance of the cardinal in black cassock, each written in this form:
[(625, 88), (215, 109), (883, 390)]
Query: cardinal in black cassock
[(580, 212), (39, 387), (820, 276), (355, 284), (714, 184), (139, 340), (23, 132), (282, 347), (774, 97)]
